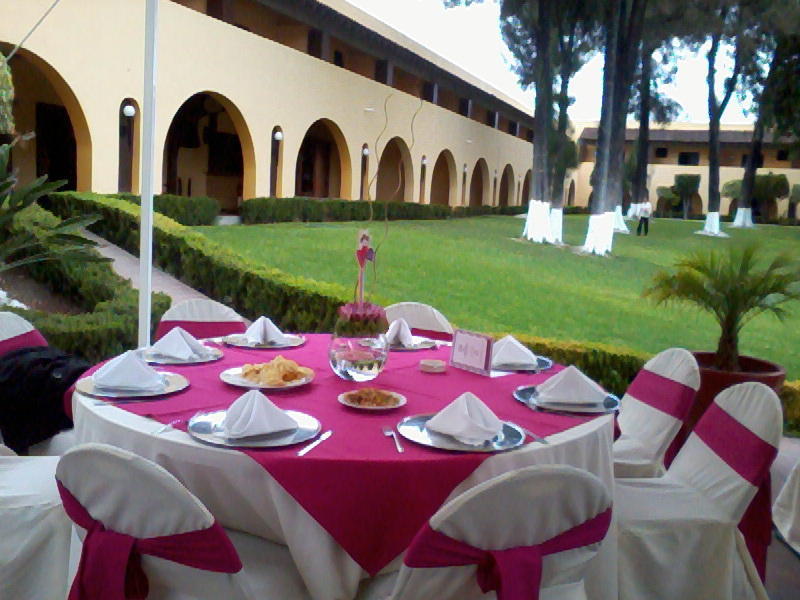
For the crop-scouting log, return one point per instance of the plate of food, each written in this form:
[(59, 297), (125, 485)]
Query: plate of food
[(240, 340), (278, 374), (370, 398)]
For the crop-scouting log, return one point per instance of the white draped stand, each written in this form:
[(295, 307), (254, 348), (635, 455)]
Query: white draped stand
[(600, 234), (619, 221), (711, 226), (743, 218)]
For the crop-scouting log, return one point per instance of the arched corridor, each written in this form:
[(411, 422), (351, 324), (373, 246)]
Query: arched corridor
[(443, 179), (506, 195), (526, 189), (479, 184), (323, 164), (395, 173)]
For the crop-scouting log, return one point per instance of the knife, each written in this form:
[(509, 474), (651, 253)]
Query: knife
[(315, 443)]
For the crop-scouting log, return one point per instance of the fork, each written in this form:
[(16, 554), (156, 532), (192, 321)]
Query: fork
[(389, 432), (166, 426)]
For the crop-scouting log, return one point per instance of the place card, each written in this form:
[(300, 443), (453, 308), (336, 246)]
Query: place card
[(472, 351)]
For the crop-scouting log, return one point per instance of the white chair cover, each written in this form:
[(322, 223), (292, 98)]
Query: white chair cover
[(198, 310), (786, 511), (56, 445), (537, 503), (134, 496), (678, 535), (419, 316), (34, 530), (647, 431), (12, 325)]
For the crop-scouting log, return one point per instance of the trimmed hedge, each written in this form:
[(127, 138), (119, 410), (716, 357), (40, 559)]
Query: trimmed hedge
[(110, 324), (296, 303), (195, 210), (281, 210)]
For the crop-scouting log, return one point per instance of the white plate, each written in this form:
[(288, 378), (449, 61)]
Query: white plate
[(528, 395), (173, 383), (233, 376), (240, 340), (207, 427), (158, 359), (417, 343), (401, 401), (414, 429)]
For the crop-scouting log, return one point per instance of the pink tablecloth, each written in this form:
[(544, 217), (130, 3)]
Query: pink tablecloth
[(368, 497)]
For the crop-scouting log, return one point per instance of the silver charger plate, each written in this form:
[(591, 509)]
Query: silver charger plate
[(207, 428), (240, 340), (174, 383), (528, 395), (414, 429), (233, 376), (158, 359), (542, 364), (417, 343)]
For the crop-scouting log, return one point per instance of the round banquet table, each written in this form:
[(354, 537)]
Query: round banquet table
[(347, 509)]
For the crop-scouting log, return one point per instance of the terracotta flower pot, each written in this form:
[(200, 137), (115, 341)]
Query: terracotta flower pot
[(713, 381)]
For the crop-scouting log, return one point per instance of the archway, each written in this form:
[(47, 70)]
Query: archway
[(479, 184), (696, 206), (323, 162), (209, 152), (129, 128), (506, 195), (571, 194), (395, 173), (443, 179), (45, 104), (526, 189), (732, 207)]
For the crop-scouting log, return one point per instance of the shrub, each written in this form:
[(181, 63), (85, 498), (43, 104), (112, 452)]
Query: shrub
[(767, 187), (686, 186), (794, 197), (195, 210), (110, 324), (279, 210), (296, 303), (790, 399)]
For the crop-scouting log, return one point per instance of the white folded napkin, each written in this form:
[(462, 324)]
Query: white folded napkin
[(467, 419), (254, 414), (509, 352), (264, 331), (399, 334), (129, 372), (181, 345), (570, 386)]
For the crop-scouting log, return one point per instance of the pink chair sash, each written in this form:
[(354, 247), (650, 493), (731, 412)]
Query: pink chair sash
[(433, 335), (23, 340), (202, 329), (513, 573), (740, 448), (662, 393), (110, 567)]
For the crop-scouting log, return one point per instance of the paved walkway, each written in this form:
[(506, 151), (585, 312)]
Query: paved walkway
[(127, 265)]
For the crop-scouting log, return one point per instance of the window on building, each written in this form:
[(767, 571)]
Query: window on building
[(464, 105), (529, 135), (338, 58), (513, 128), (661, 152), (382, 71), (783, 154), (315, 42), (429, 91), (688, 158), (759, 160), (491, 117)]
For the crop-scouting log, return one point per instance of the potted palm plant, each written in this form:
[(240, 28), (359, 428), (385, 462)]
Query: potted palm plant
[(735, 286)]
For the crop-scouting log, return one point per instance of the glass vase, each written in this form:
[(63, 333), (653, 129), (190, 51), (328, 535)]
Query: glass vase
[(358, 358)]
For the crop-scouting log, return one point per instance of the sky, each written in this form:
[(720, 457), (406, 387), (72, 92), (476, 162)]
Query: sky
[(470, 37)]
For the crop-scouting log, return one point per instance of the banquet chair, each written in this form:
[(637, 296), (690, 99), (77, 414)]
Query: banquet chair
[(678, 534), (34, 531), (422, 319), (16, 332), (202, 318), (786, 511), (652, 411), (532, 530), (127, 508)]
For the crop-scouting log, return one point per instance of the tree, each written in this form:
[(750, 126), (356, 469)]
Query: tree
[(685, 188)]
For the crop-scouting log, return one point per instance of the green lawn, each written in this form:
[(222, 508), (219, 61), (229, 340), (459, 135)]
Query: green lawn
[(481, 277)]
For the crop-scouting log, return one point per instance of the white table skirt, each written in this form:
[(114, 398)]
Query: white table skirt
[(244, 496)]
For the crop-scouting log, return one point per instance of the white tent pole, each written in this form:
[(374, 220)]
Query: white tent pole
[(148, 163)]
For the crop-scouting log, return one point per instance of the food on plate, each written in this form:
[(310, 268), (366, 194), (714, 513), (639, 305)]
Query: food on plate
[(277, 372), (372, 397)]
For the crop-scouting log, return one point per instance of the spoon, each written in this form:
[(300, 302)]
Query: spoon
[(389, 432)]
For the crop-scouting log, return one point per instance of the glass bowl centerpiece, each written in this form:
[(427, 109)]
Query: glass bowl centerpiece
[(358, 347)]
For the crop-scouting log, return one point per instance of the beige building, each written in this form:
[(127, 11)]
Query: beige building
[(259, 98), (682, 148)]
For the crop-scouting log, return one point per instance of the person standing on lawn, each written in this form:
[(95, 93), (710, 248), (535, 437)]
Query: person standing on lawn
[(645, 210)]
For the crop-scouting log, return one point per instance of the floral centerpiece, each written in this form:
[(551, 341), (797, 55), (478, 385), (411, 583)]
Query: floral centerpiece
[(358, 347)]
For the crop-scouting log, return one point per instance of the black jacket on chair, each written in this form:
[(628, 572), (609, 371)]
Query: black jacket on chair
[(32, 386)]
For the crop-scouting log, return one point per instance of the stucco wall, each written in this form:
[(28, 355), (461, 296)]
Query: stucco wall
[(96, 48)]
